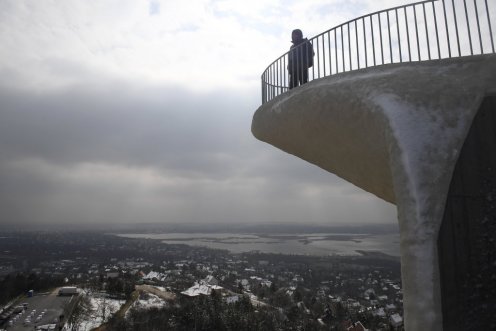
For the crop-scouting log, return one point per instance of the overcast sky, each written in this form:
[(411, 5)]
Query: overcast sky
[(130, 111)]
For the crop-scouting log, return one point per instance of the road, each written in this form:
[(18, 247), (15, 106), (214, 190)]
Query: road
[(169, 296)]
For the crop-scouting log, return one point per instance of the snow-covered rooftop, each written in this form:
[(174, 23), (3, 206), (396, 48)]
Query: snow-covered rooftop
[(200, 289), (155, 275), (396, 319)]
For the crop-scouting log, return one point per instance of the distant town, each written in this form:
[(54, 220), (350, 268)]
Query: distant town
[(94, 281)]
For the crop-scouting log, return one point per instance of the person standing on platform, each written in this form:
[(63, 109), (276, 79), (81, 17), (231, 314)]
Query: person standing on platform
[(300, 58)]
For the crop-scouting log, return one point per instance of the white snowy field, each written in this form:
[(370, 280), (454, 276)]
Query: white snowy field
[(99, 311), (147, 301)]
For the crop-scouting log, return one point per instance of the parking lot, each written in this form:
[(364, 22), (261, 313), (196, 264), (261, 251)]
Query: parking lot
[(40, 310)]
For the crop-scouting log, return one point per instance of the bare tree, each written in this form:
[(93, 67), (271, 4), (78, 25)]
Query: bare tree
[(81, 312), (104, 310)]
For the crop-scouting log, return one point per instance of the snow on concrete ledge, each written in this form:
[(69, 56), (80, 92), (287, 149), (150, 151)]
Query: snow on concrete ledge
[(395, 131)]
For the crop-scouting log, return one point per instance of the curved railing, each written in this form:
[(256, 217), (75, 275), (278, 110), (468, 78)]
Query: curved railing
[(420, 31)]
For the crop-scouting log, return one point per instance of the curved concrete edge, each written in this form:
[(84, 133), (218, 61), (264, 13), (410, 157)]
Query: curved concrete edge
[(395, 131)]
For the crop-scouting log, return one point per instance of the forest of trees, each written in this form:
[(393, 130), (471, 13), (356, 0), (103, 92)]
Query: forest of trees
[(14, 285), (213, 313)]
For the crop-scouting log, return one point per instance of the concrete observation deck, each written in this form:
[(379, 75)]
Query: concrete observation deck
[(396, 131)]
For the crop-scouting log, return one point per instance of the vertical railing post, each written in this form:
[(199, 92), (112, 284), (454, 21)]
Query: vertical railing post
[(437, 34), (263, 89), (398, 32), (456, 28), (490, 29), (349, 46), (342, 48), (271, 82), (313, 67), (468, 28), (372, 32), (285, 70), (408, 37), (447, 31), (478, 26), (323, 55), (426, 32), (268, 85), (380, 37), (365, 43), (336, 48), (416, 32), (356, 38), (330, 57), (389, 35), (318, 59)]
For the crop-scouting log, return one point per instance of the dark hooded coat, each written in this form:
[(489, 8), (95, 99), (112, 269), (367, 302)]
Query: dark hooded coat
[(300, 56)]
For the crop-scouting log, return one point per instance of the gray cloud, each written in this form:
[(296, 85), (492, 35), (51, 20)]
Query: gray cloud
[(162, 154), (162, 128)]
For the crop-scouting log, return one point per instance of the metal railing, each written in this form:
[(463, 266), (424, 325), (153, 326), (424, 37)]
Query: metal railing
[(421, 31)]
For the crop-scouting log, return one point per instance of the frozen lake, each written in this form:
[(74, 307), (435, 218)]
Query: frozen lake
[(303, 244)]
